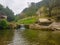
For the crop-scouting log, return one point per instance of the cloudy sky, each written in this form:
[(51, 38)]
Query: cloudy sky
[(17, 5)]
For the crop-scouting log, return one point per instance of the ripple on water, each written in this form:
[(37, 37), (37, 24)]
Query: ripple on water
[(18, 39)]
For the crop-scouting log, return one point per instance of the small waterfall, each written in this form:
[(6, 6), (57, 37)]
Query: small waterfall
[(22, 27)]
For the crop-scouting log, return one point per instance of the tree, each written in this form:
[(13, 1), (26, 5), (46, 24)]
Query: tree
[(8, 12), (1, 7), (51, 4)]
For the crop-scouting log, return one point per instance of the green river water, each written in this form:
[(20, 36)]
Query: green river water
[(12, 37), (15, 37)]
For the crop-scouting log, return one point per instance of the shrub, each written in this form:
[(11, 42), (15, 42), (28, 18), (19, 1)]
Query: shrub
[(3, 24), (11, 25)]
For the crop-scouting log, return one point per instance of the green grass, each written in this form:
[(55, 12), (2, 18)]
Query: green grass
[(29, 20)]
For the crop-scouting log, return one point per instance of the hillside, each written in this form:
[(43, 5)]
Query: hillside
[(34, 7), (46, 8), (29, 20), (31, 10)]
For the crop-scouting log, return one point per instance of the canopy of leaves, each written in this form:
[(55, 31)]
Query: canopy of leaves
[(8, 12)]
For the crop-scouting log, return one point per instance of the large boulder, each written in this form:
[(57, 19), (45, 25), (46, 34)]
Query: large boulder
[(55, 26), (34, 26), (44, 21)]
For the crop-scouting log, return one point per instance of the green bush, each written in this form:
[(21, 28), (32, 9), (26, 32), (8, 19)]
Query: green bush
[(3, 24)]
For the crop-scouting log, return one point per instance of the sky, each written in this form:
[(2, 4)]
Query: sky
[(17, 6)]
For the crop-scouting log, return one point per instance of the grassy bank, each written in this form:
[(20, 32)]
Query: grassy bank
[(28, 20), (42, 37)]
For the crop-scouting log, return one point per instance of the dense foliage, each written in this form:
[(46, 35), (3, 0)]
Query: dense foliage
[(52, 5), (8, 12)]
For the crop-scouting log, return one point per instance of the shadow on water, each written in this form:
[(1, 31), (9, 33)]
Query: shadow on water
[(18, 39), (6, 36), (29, 37), (13, 37)]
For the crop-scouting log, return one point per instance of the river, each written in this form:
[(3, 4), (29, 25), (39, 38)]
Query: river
[(12, 37), (15, 37)]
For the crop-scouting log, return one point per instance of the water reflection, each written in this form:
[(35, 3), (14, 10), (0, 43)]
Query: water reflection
[(6, 36), (12, 37), (18, 39)]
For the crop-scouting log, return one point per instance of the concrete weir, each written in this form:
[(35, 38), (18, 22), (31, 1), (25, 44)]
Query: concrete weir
[(24, 26)]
